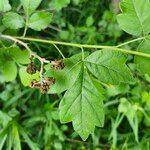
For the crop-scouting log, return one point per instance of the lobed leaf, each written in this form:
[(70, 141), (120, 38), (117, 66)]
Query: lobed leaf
[(109, 67), (83, 105), (66, 77), (135, 17), (142, 62)]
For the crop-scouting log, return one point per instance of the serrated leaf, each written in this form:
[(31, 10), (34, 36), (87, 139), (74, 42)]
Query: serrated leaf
[(142, 62), (66, 77), (40, 20), (19, 56), (13, 20), (109, 67), (9, 70), (27, 78), (30, 5), (4, 5), (135, 17), (83, 105)]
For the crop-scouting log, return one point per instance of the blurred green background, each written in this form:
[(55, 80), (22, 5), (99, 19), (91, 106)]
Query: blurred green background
[(32, 118)]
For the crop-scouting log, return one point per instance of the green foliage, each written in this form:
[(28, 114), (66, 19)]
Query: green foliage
[(106, 87), (4, 6), (143, 64), (13, 20), (81, 104), (30, 6), (109, 67), (40, 20), (27, 78), (135, 17)]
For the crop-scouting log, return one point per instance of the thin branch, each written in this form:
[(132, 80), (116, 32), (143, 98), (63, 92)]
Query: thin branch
[(42, 60), (26, 46), (59, 51), (131, 41), (88, 46)]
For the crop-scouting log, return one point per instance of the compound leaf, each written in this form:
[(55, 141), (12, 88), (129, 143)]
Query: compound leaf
[(135, 17)]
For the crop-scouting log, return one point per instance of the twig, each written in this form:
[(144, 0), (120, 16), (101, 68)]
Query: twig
[(42, 60)]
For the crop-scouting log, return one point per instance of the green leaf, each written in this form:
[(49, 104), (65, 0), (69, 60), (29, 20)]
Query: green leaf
[(13, 20), (30, 6), (66, 77), (83, 105), (19, 56), (89, 21), (9, 139), (4, 118), (135, 17), (3, 136), (142, 62), (9, 70), (4, 5), (130, 112), (40, 20), (16, 137), (27, 78), (58, 5), (14, 53), (31, 144), (109, 67)]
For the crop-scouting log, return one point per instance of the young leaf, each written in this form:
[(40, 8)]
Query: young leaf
[(4, 5), (9, 70), (66, 77), (27, 78), (13, 20), (83, 105), (142, 62), (19, 56), (109, 67), (30, 5), (135, 17), (40, 20)]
